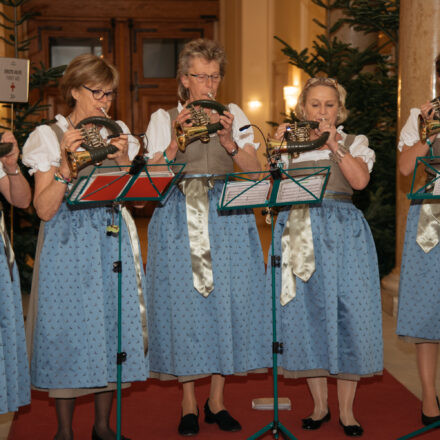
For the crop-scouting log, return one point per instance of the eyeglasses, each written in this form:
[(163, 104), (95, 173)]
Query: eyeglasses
[(203, 77), (99, 94)]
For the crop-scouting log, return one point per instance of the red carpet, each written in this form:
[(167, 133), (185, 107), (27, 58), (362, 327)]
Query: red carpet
[(150, 410)]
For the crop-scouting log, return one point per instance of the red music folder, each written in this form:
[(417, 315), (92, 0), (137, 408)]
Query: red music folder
[(119, 184)]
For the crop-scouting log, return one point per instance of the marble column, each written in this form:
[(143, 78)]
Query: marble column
[(419, 44)]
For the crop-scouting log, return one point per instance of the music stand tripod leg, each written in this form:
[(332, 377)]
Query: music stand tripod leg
[(121, 356), (275, 426), (420, 431)]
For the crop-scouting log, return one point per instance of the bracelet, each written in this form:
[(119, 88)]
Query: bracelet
[(234, 152), (59, 178), (15, 173), (339, 154), (168, 161), (429, 143)]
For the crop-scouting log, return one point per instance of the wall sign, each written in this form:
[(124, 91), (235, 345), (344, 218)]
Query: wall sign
[(14, 80)]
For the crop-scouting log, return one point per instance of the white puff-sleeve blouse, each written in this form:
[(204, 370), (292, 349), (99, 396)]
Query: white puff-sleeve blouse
[(158, 134), (359, 148), (42, 150)]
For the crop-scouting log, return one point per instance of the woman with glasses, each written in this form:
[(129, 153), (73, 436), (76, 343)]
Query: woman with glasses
[(419, 306), (73, 313), (14, 371), (208, 314), (329, 306)]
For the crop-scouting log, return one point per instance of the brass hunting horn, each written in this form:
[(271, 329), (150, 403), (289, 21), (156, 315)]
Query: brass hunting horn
[(429, 127), (96, 148), (296, 140), (201, 128)]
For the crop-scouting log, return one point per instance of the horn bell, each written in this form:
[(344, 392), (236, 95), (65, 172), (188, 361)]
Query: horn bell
[(186, 135), (428, 128)]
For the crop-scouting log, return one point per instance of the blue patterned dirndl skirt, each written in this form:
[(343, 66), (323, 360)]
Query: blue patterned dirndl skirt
[(334, 323), (76, 327), (419, 288), (14, 365), (227, 332)]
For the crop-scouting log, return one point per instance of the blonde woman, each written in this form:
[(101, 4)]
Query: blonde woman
[(330, 318)]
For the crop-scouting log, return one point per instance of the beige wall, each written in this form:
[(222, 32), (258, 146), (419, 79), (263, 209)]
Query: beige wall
[(293, 23), (257, 69)]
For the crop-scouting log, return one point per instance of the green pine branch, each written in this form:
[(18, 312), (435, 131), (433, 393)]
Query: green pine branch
[(369, 76)]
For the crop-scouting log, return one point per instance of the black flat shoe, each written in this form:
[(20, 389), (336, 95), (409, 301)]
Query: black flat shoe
[(426, 420), (352, 430), (311, 424), (95, 436), (189, 424), (223, 419)]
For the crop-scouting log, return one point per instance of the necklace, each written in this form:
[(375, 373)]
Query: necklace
[(70, 121)]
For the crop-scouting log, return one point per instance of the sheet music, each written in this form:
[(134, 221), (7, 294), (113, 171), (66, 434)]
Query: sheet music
[(436, 190), (255, 194), (290, 191)]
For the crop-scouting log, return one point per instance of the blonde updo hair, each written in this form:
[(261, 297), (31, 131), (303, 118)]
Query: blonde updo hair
[(322, 81), (87, 69), (209, 50)]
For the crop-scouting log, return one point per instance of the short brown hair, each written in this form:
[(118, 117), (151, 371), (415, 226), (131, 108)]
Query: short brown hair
[(208, 50), (87, 69), (322, 81)]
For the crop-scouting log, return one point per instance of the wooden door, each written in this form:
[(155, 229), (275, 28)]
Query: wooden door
[(155, 49)]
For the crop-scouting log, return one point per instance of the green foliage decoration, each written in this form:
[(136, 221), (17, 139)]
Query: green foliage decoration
[(26, 117), (369, 76)]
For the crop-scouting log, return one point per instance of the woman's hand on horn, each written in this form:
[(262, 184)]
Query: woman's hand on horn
[(225, 134), (281, 129), (332, 141), (9, 161), (121, 156), (70, 142), (426, 110)]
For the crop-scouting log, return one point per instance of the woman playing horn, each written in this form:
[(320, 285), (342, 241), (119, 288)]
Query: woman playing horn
[(211, 320), (330, 308), (14, 371), (73, 318), (418, 315)]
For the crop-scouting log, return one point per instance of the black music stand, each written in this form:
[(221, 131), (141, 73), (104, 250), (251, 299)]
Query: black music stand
[(114, 188), (307, 187)]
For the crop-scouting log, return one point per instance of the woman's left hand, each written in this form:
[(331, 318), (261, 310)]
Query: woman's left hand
[(334, 136), (225, 134), (9, 161), (121, 156)]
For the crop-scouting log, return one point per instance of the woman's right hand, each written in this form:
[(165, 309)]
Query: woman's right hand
[(181, 119), (71, 141), (281, 129), (426, 110)]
